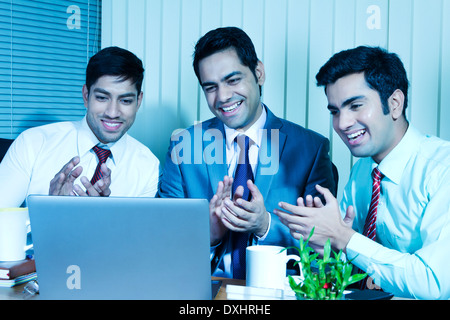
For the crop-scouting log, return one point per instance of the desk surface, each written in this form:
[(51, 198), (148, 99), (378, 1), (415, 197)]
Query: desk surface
[(222, 294), (16, 292)]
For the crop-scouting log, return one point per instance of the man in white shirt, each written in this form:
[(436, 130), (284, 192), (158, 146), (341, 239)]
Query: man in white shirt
[(407, 253), (286, 160), (112, 96)]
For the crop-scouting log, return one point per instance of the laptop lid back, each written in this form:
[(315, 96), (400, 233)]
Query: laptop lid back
[(121, 248)]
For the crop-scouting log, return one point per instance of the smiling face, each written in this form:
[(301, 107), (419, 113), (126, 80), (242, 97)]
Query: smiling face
[(231, 89), (111, 106), (358, 117)]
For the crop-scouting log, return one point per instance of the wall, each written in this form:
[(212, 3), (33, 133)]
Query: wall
[(293, 38)]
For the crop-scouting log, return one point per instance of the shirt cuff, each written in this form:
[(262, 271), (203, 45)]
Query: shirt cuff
[(267, 231), (360, 250)]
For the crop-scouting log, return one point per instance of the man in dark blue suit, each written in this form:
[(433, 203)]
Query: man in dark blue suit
[(286, 160), (4, 146)]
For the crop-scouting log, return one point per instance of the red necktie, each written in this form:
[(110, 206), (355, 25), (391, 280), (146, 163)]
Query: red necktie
[(370, 226), (240, 239), (102, 155)]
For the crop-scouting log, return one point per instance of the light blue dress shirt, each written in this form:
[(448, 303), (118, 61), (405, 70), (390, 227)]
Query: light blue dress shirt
[(411, 255)]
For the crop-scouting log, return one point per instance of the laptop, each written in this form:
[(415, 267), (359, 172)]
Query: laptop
[(121, 248)]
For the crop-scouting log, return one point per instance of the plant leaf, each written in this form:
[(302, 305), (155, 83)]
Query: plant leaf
[(310, 234), (324, 278), (327, 250), (355, 278)]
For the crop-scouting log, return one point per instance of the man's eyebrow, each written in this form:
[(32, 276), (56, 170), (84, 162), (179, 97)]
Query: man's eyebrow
[(100, 90), (232, 74), (331, 107), (207, 84), (350, 100), (128, 94), (225, 78), (346, 102), (124, 95)]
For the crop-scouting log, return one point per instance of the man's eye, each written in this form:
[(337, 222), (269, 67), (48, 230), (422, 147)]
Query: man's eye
[(100, 98), (355, 106), (127, 101), (333, 111), (209, 89), (234, 81)]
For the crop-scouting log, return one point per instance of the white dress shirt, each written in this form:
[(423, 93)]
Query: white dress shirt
[(39, 153), (233, 150), (411, 255)]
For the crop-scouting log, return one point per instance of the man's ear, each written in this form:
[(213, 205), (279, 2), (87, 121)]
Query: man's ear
[(140, 96), (260, 73), (85, 96), (396, 104)]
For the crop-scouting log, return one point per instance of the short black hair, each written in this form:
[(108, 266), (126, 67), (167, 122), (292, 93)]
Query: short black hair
[(383, 71), (222, 39), (115, 61)]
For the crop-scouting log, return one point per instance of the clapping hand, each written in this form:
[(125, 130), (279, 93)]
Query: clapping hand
[(64, 181)]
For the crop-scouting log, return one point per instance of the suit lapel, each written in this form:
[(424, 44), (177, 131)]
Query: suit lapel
[(272, 146), (214, 151)]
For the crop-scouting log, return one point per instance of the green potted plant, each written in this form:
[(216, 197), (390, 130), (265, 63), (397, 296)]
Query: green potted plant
[(323, 279)]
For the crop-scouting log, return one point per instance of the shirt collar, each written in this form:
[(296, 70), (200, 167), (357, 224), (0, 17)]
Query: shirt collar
[(254, 132), (87, 140), (395, 162)]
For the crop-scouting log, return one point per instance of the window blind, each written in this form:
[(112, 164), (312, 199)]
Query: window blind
[(44, 49)]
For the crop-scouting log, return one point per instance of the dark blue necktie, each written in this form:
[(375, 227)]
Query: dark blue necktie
[(240, 239)]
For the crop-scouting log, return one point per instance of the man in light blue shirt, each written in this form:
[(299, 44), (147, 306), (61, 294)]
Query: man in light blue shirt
[(366, 90)]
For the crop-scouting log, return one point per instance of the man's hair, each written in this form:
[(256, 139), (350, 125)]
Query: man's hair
[(383, 71), (222, 39), (115, 61)]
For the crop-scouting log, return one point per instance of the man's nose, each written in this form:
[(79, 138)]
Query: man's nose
[(224, 93), (113, 109)]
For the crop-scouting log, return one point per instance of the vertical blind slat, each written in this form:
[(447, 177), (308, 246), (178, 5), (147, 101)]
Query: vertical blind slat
[(45, 46)]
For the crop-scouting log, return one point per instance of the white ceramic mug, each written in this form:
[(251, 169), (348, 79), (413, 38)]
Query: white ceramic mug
[(266, 266), (14, 225)]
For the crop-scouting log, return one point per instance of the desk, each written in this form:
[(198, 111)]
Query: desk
[(16, 292), (222, 294)]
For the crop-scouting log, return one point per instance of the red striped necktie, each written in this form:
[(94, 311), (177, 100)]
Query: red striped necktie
[(370, 227), (102, 155)]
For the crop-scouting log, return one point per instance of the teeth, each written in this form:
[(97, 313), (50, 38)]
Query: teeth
[(356, 134), (112, 124), (231, 108)]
